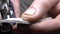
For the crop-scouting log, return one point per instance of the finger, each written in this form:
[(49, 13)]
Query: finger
[(56, 10), (38, 9), (16, 5), (58, 17), (47, 25), (15, 30)]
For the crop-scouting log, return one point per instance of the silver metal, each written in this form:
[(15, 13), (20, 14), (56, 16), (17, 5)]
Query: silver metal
[(14, 20)]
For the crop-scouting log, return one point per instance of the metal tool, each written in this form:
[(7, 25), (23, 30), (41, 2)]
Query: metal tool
[(7, 12), (8, 16), (14, 20)]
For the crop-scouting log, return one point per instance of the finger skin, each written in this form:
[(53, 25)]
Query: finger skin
[(58, 17), (47, 25), (15, 29), (38, 8), (16, 5), (56, 10)]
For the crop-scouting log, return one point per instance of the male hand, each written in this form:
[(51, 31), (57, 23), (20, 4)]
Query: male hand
[(38, 9)]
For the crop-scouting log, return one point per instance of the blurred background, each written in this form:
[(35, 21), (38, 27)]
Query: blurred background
[(25, 4)]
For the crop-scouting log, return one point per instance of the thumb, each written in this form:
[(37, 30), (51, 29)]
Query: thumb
[(37, 9)]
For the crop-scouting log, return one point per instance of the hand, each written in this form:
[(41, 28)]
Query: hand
[(38, 9)]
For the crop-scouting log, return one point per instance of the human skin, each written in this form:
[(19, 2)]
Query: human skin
[(37, 9), (40, 7), (16, 5)]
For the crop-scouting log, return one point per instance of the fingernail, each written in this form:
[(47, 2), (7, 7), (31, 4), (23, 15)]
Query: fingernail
[(30, 11)]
